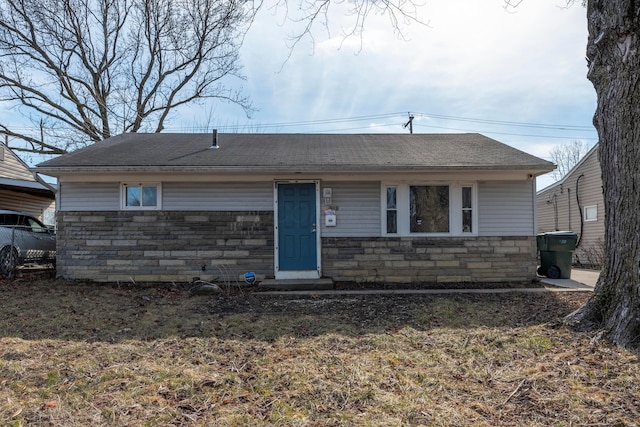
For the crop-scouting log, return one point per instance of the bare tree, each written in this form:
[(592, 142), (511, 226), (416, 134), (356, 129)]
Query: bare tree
[(80, 71), (314, 14), (566, 156), (83, 70), (613, 61)]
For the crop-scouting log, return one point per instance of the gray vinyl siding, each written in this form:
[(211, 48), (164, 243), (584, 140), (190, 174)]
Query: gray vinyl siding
[(252, 196), (557, 207), (94, 196), (546, 213), (358, 213), (98, 196), (506, 208), (561, 197)]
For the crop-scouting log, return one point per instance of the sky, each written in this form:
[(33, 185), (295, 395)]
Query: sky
[(518, 76)]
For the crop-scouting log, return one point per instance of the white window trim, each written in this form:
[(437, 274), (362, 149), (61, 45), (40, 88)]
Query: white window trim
[(123, 196), (595, 207), (474, 208), (385, 209), (455, 208)]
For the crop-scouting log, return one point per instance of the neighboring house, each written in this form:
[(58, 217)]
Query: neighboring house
[(22, 190), (366, 208), (575, 203)]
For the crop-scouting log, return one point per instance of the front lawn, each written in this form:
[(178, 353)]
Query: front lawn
[(74, 354)]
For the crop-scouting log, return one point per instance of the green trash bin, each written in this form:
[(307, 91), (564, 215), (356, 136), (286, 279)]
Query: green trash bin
[(556, 252)]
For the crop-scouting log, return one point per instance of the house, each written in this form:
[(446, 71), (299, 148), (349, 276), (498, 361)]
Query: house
[(22, 190), (576, 203), (366, 208)]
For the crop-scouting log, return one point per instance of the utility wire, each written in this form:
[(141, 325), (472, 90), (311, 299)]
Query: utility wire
[(507, 123), (401, 116), (487, 132), (330, 121), (511, 134)]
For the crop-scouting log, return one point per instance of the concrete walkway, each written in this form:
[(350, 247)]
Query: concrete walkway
[(581, 281)]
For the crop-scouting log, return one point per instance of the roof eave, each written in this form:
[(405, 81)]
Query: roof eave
[(55, 171)]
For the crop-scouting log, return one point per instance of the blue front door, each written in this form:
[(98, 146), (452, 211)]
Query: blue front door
[(297, 249)]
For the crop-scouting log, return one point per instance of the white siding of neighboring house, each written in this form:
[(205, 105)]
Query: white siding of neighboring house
[(358, 213), (23, 202), (557, 207), (506, 208), (12, 167)]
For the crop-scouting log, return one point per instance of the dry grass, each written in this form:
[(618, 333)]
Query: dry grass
[(76, 354)]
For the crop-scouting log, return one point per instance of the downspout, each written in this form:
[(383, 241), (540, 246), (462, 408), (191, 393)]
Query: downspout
[(569, 207), (579, 210), (555, 211)]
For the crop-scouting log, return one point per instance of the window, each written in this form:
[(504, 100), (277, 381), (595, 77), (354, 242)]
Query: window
[(35, 226), (438, 209), (429, 209), (49, 217), (467, 209), (141, 196), (392, 210), (9, 219), (591, 213), (23, 222)]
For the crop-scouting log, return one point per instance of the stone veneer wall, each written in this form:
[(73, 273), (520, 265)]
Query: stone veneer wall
[(167, 246), (430, 259), (164, 245)]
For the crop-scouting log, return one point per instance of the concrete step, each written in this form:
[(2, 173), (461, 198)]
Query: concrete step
[(297, 284)]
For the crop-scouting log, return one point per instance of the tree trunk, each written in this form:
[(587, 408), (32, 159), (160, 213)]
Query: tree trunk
[(614, 69)]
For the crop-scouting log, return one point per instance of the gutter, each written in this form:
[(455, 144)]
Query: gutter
[(534, 170)]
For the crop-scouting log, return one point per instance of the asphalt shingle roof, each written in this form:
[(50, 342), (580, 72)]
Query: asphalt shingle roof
[(299, 151)]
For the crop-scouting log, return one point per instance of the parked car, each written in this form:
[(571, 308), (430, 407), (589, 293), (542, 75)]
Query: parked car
[(24, 239)]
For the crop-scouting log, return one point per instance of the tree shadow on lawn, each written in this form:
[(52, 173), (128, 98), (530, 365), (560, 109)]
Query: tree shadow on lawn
[(77, 311)]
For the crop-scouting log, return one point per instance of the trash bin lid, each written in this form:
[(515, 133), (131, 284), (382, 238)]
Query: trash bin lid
[(557, 241), (559, 233)]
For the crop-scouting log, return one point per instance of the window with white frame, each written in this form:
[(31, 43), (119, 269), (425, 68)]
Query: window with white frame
[(467, 209), (435, 209), (392, 210), (141, 196), (591, 213)]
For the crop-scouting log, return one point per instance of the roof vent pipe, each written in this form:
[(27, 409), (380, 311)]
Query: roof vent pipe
[(214, 142)]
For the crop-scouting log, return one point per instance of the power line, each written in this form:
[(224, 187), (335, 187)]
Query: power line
[(508, 123), (399, 115), (331, 121), (401, 119), (510, 134)]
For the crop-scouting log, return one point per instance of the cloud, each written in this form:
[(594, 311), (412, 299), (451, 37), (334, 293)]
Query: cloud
[(473, 60)]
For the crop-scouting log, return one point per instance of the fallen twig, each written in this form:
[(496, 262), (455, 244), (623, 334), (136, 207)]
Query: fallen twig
[(513, 393)]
